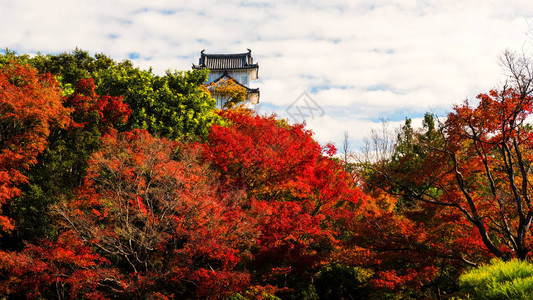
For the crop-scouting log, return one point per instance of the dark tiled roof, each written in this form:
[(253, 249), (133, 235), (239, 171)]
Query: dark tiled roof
[(226, 61)]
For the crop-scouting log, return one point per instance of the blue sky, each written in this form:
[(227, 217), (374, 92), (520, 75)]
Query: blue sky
[(360, 61)]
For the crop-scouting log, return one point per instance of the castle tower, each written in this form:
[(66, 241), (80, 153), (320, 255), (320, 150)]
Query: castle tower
[(239, 67)]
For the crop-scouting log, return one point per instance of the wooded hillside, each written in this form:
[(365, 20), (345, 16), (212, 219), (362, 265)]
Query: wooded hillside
[(116, 183)]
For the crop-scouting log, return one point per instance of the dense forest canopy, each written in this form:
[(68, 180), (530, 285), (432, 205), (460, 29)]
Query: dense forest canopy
[(116, 183)]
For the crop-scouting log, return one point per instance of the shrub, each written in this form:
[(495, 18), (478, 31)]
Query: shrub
[(499, 280)]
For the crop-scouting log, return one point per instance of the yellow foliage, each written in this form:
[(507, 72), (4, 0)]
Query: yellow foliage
[(228, 91)]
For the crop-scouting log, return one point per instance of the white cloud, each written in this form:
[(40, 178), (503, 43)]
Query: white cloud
[(360, 60)]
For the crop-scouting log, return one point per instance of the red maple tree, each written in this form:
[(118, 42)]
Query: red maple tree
[(29, 105), (163, 222), (299, 196)]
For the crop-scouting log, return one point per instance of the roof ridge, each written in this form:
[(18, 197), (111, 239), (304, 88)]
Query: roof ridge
[(225, 54)]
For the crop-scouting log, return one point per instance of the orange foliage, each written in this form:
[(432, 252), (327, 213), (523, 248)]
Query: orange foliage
[(29, 105)]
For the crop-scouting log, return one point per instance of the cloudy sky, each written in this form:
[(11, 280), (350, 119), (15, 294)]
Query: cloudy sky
[(357, 61)]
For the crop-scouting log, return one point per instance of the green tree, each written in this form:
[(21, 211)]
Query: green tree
[(175, 105), (71, 67), (396, 174)]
